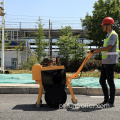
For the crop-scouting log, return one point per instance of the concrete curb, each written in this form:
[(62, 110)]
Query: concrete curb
[(34, 88)]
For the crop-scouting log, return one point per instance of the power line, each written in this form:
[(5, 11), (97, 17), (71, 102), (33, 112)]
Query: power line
[(44, 16)]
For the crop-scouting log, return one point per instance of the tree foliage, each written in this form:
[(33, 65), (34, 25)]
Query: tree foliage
[(40, 41), (32, 60), (92, 24), (6, 43), (69, 46)]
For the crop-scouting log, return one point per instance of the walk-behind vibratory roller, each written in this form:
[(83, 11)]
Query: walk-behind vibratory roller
[(54, 81)]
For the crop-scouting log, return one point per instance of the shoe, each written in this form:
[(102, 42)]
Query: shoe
[(103, 103), (108, 105)]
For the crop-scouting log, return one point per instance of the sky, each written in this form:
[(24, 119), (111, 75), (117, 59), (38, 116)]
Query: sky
[(59, 12)]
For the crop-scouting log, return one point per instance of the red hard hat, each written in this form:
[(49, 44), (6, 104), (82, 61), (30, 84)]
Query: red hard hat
[(108, 20)]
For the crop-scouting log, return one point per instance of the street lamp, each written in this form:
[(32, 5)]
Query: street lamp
[(2, 13)]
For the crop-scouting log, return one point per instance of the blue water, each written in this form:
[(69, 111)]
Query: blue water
[(92, 82)]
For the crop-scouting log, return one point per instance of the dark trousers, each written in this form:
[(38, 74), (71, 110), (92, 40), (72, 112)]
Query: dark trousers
[(107, 73)]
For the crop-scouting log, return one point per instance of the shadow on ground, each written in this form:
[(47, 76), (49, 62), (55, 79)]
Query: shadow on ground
[(32, 107), (45, 107)]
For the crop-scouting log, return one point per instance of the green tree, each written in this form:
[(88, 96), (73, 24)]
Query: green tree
[(69, 46), (6, 43), (32, 60), (92, 23), (40, 41)]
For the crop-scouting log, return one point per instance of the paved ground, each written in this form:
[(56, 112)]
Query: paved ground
[(22, 107), (34, 88)]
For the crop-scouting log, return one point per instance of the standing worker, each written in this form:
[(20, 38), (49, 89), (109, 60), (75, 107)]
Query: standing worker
[(110, 52)]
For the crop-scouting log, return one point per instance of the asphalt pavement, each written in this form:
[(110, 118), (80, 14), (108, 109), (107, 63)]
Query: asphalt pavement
[(22, 107)]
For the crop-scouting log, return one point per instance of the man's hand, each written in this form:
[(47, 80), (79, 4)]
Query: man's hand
[(92, 51)]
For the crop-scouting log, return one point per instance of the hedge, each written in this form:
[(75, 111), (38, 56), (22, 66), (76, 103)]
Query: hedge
[(92, 64)]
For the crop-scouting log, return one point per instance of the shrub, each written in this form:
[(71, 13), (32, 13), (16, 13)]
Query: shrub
[(92, 64), (74, 64), (65, 62), (31, 61), (25, 66), (117, 67)]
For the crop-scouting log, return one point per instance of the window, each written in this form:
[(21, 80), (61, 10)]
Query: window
[(14, 62)]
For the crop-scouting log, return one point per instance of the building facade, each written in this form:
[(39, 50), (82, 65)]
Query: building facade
[(18, 35)]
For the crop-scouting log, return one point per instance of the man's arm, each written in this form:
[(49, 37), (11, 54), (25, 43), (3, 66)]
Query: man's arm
[(98, 50)]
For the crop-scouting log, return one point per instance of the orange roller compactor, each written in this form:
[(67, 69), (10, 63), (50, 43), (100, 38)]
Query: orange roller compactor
[(54, 81)]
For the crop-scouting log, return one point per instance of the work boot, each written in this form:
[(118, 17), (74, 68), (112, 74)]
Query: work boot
[(108, 105), (103, 103)]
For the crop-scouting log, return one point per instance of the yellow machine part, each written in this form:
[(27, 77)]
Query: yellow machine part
[(36, 73)]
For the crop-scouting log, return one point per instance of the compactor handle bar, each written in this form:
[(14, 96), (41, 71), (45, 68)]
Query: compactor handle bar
[(84, 62)]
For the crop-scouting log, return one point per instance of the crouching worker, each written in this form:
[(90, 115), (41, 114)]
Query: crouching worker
[(109, 51)]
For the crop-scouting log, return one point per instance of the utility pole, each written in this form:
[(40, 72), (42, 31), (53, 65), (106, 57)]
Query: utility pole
[(50, 42), (2, 13)]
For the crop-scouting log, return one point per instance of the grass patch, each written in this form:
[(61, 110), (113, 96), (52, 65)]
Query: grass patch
[(20, 71), (87, 74), (93, 73)]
